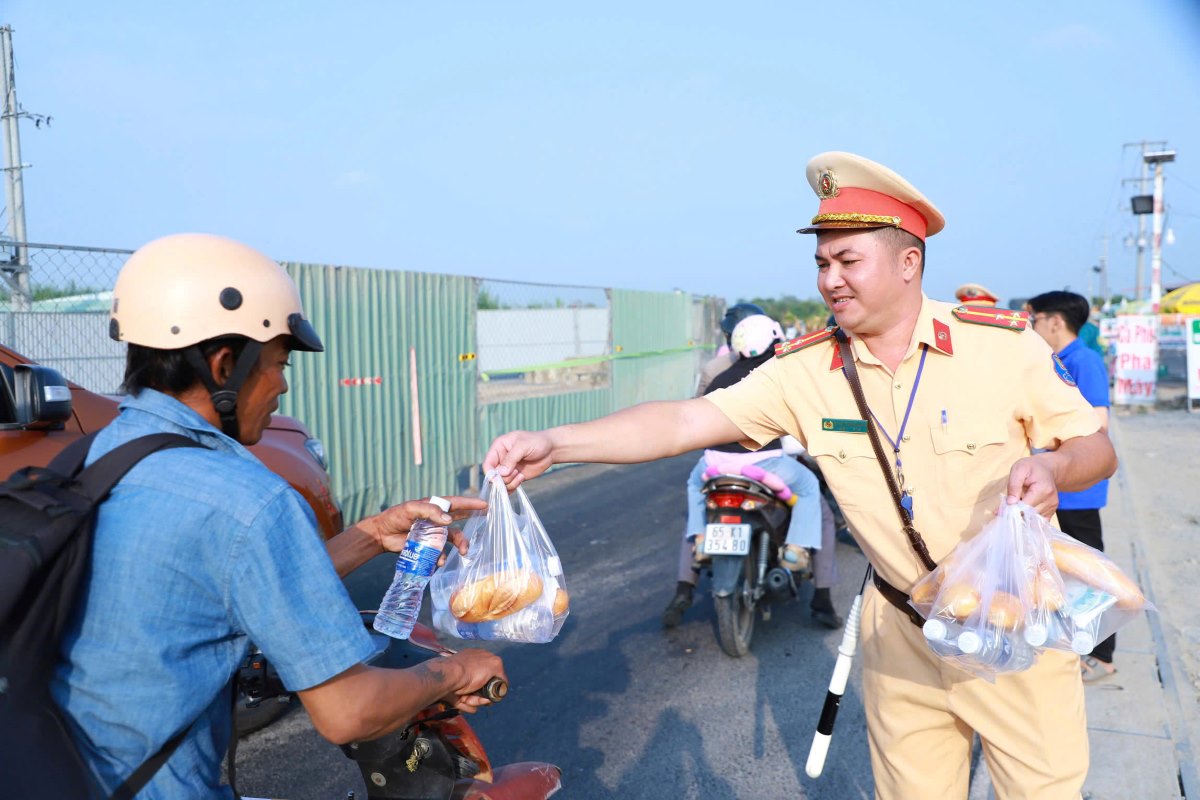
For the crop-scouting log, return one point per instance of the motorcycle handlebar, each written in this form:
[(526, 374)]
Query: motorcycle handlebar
[(495, 690)]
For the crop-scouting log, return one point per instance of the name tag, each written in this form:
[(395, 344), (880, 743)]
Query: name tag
[(844, 425)]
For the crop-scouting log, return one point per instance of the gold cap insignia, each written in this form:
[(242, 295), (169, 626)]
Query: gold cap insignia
[(827, 185)]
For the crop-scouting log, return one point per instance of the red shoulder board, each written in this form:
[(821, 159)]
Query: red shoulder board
[(800, 342), (993, 317)]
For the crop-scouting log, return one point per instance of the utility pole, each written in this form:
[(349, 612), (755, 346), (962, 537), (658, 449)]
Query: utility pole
[(16, 272), (1101, 269), (1144, 147), (1157, 159)]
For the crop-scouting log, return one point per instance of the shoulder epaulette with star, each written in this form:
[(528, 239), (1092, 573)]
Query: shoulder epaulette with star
[(992, 317), (800, 342)]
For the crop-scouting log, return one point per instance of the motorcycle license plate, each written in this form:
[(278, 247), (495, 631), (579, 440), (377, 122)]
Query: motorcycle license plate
[(726, 540)]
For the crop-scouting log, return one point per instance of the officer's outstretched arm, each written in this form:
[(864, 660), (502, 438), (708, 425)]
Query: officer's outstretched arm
[(644, 432)]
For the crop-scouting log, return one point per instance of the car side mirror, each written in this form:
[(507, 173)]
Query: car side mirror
[(42, 396)]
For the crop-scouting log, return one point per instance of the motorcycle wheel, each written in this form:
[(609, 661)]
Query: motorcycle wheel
[(735, 616)]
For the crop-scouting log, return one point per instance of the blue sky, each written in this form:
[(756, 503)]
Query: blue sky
[(640, 145)]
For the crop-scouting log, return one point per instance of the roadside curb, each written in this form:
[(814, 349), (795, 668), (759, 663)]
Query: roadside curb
[(1124, 537)]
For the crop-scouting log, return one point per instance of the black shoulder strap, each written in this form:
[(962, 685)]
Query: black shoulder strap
[(103, 474), (70, 460), (851, 372)]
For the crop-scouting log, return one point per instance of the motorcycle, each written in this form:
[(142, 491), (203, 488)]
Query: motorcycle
[(437, 756), (746, 527)]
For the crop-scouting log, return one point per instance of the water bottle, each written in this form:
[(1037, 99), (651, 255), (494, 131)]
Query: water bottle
[(398, 610), (444, 621), (943, 636), (1047, 630), (996, 651)]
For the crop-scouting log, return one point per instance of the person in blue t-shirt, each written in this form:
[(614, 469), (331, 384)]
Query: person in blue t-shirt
[(1059, 316), (198, 551)]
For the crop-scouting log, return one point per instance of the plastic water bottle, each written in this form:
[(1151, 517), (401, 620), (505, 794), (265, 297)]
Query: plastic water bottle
[(399, 608), (997, 651), (1047, 630), (943, 637), (444, 621)]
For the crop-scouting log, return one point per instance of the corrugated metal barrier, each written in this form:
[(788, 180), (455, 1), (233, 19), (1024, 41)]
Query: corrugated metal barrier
[(392, 433)]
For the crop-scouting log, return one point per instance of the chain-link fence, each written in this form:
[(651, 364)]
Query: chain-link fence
[(58, 315), (535, 340)]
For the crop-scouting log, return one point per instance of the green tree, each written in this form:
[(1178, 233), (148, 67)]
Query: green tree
[(791, 310)]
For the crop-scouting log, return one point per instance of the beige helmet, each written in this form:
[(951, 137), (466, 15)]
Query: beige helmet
[(184, 289)]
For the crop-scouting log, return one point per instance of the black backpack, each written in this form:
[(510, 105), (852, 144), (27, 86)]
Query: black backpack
[(47, 516)]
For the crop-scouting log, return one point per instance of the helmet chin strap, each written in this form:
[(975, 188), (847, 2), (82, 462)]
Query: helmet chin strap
[(224, 396)]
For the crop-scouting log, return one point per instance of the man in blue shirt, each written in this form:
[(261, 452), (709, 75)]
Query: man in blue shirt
[(1059, 316), (198, 551)]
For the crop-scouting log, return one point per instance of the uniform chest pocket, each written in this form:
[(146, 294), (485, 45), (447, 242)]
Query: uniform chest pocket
[(846, 460), (969, 458)]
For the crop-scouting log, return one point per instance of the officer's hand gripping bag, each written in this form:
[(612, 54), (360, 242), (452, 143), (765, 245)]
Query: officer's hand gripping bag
[(507, 586), (1000, 598)]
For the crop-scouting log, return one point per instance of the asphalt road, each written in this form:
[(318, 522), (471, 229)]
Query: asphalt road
[(626, 709)]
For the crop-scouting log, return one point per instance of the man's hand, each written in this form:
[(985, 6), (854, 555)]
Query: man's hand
[(1031, 481), (391, 526), (478, 667), (520, 455)]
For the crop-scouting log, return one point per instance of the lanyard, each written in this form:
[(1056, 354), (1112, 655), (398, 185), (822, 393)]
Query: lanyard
[(905, 499)]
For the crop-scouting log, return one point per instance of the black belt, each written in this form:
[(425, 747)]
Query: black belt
[(897, 598)]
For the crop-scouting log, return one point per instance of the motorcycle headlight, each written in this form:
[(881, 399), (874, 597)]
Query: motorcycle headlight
[(317, 451)]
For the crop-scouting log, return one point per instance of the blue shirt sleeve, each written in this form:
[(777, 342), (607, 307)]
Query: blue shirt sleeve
[(1091, 377), (285, 594)]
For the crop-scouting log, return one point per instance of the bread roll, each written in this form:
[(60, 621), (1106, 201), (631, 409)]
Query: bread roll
[(497, 595), (1005, 611), (1093, 568), (1045, 590), (926, 590), (561, 602), (959, 599)]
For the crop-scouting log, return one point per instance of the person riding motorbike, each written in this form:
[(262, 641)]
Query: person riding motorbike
[(199, 550), (811, 524), (726, 356)]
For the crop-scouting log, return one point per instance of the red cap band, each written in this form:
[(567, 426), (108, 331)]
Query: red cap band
[(851, 200)]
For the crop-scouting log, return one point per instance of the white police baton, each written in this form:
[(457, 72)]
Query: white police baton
[(837, 687)]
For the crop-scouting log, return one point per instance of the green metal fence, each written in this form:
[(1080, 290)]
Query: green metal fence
[(397, 397), (392, 396)]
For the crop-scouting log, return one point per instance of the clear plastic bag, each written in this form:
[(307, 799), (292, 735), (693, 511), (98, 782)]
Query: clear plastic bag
[(510, 585), (1017, 588)]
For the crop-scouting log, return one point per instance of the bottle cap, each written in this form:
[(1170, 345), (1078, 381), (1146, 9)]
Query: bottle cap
[(969, 642), (1036, 634), (441, 503), (934, 629), (1083, 642)]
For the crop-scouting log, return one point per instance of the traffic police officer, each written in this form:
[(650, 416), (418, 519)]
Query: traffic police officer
[(961, 438), (976, 295)]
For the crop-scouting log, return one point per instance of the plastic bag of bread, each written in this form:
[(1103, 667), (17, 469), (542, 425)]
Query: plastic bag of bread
[(976, 601), (509, 586), (1016, 588)]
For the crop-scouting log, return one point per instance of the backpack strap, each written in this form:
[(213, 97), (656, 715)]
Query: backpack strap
[(70, 460), (138, 779), (102, 475)]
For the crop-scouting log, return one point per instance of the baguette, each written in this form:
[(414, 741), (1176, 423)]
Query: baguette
[(496, 596), (1093, 568)]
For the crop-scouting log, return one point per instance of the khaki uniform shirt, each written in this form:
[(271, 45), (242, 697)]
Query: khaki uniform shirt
[(997, 388)]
